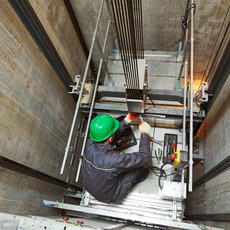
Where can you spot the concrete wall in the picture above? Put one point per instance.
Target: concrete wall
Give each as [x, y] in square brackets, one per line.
[213, 197]
[54, 18]
[162, 27]
[216, 129]
[86, 13]
[35, 108]
[23, 195]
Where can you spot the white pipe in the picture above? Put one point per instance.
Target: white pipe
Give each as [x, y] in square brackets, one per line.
[191, 103]
[92, 104]
[185, 97]
[185, 107]
[182, 183]
[81, 91]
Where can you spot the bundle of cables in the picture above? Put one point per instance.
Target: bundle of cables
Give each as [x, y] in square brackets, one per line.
[160, 172]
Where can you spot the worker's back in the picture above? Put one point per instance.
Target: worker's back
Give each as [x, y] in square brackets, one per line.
[99, 172]
[108, 175]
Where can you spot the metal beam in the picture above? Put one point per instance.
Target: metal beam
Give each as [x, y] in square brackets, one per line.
[123, 109]
[166, 95]
[31, 21]
[92, 102]
[153, 94]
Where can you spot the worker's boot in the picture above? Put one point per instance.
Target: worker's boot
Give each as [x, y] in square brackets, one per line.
[143, 176]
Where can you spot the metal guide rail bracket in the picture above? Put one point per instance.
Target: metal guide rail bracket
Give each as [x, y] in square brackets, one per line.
[75, 87]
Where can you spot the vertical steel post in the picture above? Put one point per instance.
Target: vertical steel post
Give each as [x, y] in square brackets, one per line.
[184, 112]
[92, 103]
[191, 103]
[185, 106]
[182, 183]
[185, 97]
[81, 91]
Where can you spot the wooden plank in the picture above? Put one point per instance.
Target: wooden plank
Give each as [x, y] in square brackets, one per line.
[24, 195]
[35, 109]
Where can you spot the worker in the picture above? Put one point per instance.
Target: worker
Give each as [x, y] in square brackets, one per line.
[109, 174]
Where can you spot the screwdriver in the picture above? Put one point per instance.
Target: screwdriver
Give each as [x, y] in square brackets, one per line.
[150, 138]
[141, 118]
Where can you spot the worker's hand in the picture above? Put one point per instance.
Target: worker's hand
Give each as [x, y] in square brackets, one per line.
[144, 127]
[131, 117]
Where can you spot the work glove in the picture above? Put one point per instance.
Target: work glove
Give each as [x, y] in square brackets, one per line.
[131, 117]
[144, 127]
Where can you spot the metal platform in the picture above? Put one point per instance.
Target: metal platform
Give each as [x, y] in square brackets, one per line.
[117, 215]
[145, 200]
[146, 203]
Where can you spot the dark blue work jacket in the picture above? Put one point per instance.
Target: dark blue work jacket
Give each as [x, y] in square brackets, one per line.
[107, 173]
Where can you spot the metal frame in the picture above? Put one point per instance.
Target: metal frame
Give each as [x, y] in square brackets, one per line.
[82, 89]
[191, 101]
[122, 216]
[156, 94]
[185, 97]
[92, 102]
[158, 112]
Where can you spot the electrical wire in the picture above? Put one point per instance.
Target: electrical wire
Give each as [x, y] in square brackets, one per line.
[160, 172]
[163, 174]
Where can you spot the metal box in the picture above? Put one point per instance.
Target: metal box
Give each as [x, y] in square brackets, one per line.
[173, 190]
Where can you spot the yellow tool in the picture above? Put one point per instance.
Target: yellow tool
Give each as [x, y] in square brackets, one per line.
[176, 160]
[179, 158]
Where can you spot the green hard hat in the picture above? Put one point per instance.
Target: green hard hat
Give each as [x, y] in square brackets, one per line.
[102, 127]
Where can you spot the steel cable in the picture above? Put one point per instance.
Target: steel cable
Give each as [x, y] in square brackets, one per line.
[129, 27]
